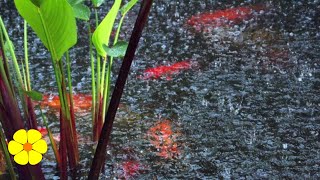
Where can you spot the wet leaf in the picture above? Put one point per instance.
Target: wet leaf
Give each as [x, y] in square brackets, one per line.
[118, 50]
[101, 35]
[124, 9]
[34, 95]
[80, 10]
[97, 3]
[54, 23]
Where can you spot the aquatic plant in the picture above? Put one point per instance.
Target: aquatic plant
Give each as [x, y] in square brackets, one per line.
[54, 22]
[10, 115]
[100, 39]
[99, 156]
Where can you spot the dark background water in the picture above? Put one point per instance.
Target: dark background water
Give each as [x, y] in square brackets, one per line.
[249, 110]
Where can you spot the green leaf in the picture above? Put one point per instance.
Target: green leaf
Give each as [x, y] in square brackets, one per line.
[74, 2]
[124, 9]
[102, 34]
[54, 23]
[34, 95]
[118, 50]
[97, 3]
[80, 10]
[37, 2]
[7, 48]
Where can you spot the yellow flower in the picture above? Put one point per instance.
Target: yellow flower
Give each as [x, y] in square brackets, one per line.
[27, 147]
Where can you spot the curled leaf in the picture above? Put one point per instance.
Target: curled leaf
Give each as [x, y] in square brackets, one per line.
[118, 50]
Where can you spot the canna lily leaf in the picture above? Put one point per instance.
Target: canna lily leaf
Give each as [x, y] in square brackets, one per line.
[80, 10]
[37, 2]
[118, 50]
[34, 95]
[102, 34]
[97, 3]
[53, 21]
[124, 9]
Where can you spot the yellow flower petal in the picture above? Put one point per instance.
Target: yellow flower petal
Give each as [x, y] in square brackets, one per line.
[40, 146]
[21, 158]
[34, 157]
[20, 136]
[14, 147]
[33, 136]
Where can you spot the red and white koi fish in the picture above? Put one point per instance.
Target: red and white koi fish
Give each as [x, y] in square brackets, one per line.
[166, 71]
[223, 18]
[163, 139]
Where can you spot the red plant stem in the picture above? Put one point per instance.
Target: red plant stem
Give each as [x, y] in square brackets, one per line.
[12, 121]
[99, 156]
[71, 140]
[62, 149]
[31, 122]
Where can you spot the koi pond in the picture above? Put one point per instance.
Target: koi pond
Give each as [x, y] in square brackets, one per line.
[217, 90]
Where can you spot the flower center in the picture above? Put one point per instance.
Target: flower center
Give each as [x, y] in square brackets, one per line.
[27, 147]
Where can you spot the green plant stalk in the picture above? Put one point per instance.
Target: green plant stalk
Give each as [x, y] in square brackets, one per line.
[106, 95]
[98, 92]
[99, 156]
[72, 144]
[53, 143]
[28, 86]
[14, 58]
[24, 75]
[71, 96]
[17, 70]
[4, 149]
[103, 73]
[93, 84]
[10, 116]
[5, 63]
[65, 111]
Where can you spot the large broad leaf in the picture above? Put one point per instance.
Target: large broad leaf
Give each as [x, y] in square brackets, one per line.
[124, 9]
[118, 50]
[102, 34]
[80, 10]
[53, 21]
[97, 3]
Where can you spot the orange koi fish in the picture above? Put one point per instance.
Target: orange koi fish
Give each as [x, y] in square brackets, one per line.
[42, 130]
[163, 139]
[131, 168]
[167, 71]
[81, 102]
[223, 18]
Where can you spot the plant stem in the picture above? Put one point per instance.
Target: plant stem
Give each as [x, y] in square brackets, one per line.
[28, 86]
[108, 78]
[4, 149]
[99, 156]
[53, 144]
[93, 84]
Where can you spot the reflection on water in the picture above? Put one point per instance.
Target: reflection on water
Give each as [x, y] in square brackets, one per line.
[250, 109]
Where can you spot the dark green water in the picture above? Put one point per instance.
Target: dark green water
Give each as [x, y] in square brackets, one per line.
[249, 110]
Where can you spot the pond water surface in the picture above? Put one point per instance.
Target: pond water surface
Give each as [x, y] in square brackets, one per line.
[248, 108]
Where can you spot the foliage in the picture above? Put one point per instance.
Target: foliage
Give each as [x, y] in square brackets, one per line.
[101, 35]
[118, 50]
[54, 23]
